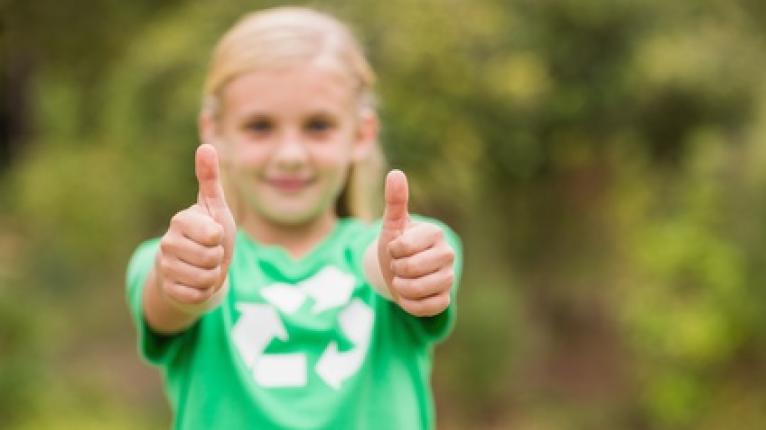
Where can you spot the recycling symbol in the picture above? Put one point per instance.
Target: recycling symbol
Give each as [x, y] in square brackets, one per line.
[260, 323]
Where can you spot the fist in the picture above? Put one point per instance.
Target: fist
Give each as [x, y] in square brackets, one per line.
[196, 250]
[415, 259]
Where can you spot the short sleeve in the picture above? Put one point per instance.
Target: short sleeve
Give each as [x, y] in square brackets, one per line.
[155, 348]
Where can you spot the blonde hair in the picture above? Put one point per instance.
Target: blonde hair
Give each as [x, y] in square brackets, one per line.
[285, 36]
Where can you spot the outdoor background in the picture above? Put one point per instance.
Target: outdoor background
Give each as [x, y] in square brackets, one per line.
[604, 162]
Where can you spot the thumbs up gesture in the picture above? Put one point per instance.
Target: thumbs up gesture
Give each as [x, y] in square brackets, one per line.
[197, 248]
[415, 259]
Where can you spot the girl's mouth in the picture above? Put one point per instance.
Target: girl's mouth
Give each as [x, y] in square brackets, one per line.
[289, 184]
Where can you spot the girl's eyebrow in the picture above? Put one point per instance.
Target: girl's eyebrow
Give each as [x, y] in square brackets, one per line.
[321, 114]
[256, 114]
[325, 112]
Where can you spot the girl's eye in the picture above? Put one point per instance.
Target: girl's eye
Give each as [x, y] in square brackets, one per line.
[260, 126]
[318, 125]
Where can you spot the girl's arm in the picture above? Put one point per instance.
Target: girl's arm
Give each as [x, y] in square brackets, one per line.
[411, 263]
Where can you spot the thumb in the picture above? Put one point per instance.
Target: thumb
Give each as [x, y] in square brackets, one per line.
[210, 194]
[396, 215]
[211, 198]
[395, 220]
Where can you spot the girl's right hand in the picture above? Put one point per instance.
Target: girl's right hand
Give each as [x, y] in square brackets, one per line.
[196, 251]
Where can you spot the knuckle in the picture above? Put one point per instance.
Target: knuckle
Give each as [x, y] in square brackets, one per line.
[174, 220]
[400, 284]
[405, 244]
[394, 248]
[165, 266]
[166, 244]
[412, 288]
[449, 254]
[186, 295]
[444, 302]
[214, 256]
[437, 306]
[178, 292]
[210, 277]
[216, 231]
[402, 267]
[217, 272]
[424, 309]
[418, 289]
[414, 308]
[212, 232]
[394, 266]
[196, 297]
[428, 307]
[177, 220]
[169, 242]
[206, 258]
[449, 277]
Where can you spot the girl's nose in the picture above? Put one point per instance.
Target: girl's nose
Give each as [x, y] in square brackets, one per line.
[291, 151]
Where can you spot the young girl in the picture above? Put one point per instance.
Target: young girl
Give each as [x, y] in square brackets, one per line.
[277, 306]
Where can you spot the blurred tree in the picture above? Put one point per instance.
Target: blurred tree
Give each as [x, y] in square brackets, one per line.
[603, 161]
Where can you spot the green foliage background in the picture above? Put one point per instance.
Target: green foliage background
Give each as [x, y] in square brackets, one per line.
[604, 162]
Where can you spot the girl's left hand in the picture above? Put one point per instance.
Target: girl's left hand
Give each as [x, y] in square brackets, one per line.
[415, 259]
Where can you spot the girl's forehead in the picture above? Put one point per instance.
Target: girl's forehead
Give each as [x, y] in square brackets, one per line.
[298, 87]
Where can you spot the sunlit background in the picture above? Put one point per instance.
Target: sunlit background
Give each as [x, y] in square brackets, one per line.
[604, 162]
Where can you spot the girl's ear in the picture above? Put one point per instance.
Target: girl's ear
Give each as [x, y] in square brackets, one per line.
[366, 134]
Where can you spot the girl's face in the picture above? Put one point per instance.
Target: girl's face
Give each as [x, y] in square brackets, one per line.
[288, 138]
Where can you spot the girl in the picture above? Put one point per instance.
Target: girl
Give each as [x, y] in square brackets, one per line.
[278, 306]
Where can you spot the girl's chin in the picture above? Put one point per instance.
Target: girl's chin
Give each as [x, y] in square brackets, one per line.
[293, 219]
[291, 215]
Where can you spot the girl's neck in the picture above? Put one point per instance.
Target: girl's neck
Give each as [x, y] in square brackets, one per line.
[297, 240]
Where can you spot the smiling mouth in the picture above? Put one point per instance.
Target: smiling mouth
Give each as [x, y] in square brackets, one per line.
[289, 185]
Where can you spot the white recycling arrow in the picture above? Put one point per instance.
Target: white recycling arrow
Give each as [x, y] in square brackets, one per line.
[334, 366]
[286, 297]
[280, 370]
[255, 328]
[260, 323]
[329, 288]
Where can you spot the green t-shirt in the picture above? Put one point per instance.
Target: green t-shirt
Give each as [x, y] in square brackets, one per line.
[297, 344]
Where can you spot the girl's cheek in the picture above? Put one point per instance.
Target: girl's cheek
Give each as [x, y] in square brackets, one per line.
[254, 149]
